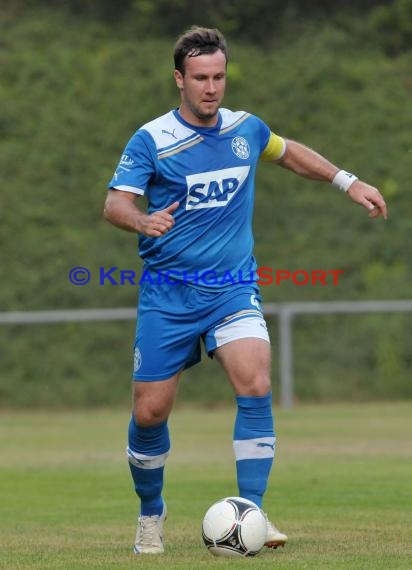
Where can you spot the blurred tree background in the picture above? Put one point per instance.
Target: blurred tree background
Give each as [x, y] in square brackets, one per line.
[80, 76]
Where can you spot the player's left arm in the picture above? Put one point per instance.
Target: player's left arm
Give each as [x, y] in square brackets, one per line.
[306, 162]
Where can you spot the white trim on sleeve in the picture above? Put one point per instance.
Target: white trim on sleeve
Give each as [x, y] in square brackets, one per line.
[131, 189]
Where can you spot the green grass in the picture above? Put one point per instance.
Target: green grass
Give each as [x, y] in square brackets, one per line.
[341, 489]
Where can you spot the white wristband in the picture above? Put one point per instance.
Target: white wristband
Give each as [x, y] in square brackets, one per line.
[343, 180]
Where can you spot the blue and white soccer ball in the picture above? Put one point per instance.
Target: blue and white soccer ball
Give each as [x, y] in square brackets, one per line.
[234, 527]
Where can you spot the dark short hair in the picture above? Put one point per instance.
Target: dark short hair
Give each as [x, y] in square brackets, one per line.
[197, 41]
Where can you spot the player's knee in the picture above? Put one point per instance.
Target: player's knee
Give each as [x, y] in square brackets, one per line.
[258, 385]
[262, 388]
[145, 415]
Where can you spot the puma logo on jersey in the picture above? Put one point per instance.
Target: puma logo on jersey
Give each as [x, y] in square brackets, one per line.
[214, 189]
[165, 132]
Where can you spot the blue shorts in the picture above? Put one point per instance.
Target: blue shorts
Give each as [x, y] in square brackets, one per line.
[173, 319]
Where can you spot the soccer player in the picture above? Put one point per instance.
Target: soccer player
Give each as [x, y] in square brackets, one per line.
[196, 166]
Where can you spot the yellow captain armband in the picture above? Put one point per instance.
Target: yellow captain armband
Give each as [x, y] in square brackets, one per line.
[275, 148]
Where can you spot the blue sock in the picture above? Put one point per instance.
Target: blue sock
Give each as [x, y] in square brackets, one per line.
[147, 452]
[254, 445]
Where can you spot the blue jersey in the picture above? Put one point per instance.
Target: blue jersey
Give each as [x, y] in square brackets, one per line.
[210, 171]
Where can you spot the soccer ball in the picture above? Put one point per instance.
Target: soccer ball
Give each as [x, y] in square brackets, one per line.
[234, 527]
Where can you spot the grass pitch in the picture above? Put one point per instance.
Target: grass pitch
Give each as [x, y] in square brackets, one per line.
[341, 488]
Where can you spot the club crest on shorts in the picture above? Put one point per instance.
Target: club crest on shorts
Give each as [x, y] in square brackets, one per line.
[240, 147]
[137, 360]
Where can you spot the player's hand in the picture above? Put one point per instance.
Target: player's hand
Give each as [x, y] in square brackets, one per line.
[369, 197]
[158, 223]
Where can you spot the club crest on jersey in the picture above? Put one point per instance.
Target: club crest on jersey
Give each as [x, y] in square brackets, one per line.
[240, 147]
[214, 189]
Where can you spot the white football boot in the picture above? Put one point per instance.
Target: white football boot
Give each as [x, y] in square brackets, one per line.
[149, 535]
[274, 537]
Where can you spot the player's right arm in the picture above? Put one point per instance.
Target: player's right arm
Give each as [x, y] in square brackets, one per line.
[131, 179]
[120, 209]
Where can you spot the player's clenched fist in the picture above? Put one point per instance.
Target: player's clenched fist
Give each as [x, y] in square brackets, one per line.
[158, 223]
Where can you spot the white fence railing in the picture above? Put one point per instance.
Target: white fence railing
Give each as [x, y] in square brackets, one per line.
[284, 311]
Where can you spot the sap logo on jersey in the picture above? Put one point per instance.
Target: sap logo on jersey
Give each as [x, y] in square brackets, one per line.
[214, 189]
